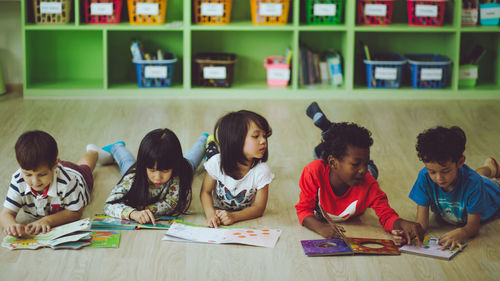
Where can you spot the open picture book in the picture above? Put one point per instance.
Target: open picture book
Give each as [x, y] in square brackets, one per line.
[430, 248]
[185, 232]
[349, 246]
[101, 221]
[73, 235]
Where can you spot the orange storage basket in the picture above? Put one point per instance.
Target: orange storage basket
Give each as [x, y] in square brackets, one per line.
[224, 17]
[138, 17]
[259, 17]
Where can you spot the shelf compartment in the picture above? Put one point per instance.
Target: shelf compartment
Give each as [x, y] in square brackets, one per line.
[121, 69]
[489, 64]
[251, 48]
[401, 43]
[71, 59]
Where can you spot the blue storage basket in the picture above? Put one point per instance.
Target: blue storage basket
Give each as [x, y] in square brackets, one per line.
[160, 75]
[482, 12]
[425, 70]
[385, 71]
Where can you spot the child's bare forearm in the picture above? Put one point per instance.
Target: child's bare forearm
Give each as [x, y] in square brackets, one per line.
[248, 213]
[207, 204]
[7, 218]
[63, 217]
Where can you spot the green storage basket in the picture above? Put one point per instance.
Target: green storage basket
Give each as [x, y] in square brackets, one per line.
[324, 12]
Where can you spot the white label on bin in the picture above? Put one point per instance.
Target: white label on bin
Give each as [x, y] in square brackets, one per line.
[386, 73]
[278, 74]
[155, 71]
[489, 13]
[270, 9]
[325, 10]
[375, 10]
[469, 16]
[101, 9]
[51, 7]
[147, 9]
[212, 9]
[431, 74]
[469, 73]
[426, 11]
[214, 72]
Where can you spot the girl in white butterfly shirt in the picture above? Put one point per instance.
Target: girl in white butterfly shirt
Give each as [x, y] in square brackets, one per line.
[235, 187]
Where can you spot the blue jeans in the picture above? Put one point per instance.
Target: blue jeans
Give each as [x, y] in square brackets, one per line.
[125, 159]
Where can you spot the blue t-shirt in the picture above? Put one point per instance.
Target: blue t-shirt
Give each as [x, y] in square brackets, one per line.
[472, 194]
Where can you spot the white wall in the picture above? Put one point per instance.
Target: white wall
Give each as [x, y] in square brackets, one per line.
[11, 50]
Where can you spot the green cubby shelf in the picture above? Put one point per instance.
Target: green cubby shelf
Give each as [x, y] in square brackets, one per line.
[78, 59]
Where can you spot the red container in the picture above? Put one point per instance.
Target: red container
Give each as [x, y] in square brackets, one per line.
[103, 11]
[374, 12]
[426, 13]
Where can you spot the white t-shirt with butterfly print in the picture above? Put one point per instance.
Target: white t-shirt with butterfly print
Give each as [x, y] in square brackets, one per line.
[234, 195]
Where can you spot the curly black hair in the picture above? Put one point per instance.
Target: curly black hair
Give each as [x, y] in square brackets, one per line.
[340, 135]
[441, 144]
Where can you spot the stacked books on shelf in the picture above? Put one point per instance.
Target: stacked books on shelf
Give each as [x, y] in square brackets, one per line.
[316, 68]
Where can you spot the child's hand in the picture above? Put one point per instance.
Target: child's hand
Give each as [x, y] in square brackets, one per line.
[452, 239]
[225, 217]
[409, 230]
[213, 221]
[142, 217]
[16, 230]
[399, 237]
[328, 232]
[36, 227]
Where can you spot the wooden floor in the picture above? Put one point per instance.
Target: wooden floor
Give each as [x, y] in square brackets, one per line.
[143, 256]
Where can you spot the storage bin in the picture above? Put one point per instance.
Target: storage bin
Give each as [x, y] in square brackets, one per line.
[154, 73]
[278, 71]
[103, 11]
[374, 12]
[212, 11]
[470, 15]
[428, 71]
[426, 13]
[270, 11]
[467, 77]
[214, 69]
[325, 12]
[147, 11]
[52, 11]
[489, 13]
[385, 71]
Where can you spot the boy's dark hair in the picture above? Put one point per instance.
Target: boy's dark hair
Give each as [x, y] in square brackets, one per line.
[340, 135]
[35, 149]
[230, 132]
[160, 147]
[441, 144]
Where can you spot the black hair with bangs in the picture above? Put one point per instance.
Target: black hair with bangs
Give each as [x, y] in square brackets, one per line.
[230, 132]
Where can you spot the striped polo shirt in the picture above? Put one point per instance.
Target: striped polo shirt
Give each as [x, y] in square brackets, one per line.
[67, 191]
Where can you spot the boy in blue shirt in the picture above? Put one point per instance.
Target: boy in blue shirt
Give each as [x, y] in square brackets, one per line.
[50, 191]
[452, 190]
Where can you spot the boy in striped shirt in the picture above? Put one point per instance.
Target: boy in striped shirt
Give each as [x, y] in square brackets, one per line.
[51, 191]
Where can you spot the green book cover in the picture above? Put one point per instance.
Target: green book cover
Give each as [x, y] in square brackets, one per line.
[105, 239]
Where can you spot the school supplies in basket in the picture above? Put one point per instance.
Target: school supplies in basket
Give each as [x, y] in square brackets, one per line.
[101, 221]
[73, 235]
[184, 232]
[430, 248]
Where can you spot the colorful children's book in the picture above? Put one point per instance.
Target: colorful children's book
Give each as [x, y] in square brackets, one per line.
[106, 222]
[430, 248]
[73, 235]
[349, 246]
[222, 235]
[105, 239]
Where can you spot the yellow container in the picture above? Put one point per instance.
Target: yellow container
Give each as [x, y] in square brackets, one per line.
[269, 11]
[212, 11]
[147, 11]
[52, 11]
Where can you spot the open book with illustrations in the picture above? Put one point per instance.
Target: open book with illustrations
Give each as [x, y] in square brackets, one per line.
[105, 239]
[73, 235]
[101, 221]
[222, 235]
[430, 248]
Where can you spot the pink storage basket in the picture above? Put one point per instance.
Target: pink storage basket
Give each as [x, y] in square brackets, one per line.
[278, 71]
[426, 12]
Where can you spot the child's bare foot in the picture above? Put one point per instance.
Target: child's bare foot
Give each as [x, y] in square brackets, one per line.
[492, 164]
